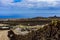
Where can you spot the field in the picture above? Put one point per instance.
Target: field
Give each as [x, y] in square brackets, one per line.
[31, 29]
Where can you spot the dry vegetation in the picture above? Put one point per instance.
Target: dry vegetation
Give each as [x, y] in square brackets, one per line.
[48, 32]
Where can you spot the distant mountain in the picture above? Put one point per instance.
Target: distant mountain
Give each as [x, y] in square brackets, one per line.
[39, 18]
[53, 17]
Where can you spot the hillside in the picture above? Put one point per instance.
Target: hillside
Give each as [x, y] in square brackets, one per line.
[48, 32]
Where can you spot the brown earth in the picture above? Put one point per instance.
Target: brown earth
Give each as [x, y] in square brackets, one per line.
[3, 35]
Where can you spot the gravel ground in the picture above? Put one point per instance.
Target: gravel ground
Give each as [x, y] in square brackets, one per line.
[3, 35]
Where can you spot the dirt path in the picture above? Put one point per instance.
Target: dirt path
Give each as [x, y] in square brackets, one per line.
[3, 35]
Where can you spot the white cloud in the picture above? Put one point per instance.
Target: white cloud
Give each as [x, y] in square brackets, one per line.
[31, 3]
[6, 1]
[40, 0]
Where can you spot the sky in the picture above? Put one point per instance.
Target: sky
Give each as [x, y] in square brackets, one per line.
[29, 8]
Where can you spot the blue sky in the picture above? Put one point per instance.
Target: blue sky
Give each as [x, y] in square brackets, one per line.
[29, 8]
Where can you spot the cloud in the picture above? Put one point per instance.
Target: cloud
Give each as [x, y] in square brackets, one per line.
[6, 1]
[31, 3]
[44, 3]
